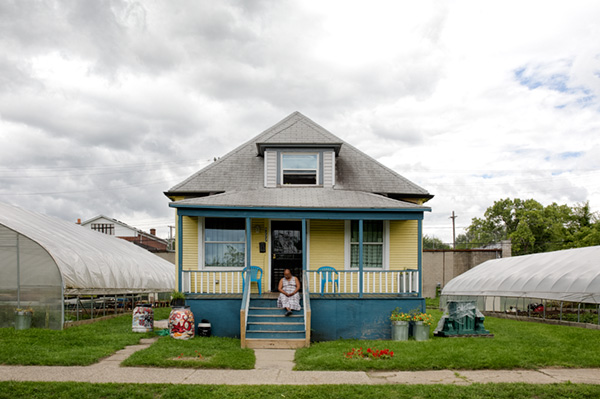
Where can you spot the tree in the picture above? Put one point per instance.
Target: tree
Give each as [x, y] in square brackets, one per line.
[533, 228]
[434, 243]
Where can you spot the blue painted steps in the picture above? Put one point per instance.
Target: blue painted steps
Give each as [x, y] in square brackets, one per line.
[268, 322]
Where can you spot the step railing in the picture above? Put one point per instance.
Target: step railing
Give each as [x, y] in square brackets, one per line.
[395, 282]
[245, 307]
[307, 310]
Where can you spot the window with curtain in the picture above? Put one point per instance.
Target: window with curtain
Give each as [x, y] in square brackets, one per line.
[372, 244]
[224, 242]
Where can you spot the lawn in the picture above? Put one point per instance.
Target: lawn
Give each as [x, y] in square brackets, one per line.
[216, 352]
[80, 345]
[516, 344]
[167, 391]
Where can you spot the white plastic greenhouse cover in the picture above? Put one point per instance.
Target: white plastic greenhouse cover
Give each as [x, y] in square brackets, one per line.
[91, 262]
[572, 275]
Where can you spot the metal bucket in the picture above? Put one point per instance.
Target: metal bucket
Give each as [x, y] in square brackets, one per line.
[22, 320]
[399, 330]
[143, 319]
[181, 323]
[421, 331]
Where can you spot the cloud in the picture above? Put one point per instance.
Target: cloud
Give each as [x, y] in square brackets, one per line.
[104, 105]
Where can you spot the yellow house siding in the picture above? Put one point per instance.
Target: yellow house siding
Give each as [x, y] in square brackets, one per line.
[190, 243]
[404, 244]
[259, 226]
[326, 247]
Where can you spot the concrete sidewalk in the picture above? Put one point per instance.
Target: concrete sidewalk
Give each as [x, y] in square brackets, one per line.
[275, 366]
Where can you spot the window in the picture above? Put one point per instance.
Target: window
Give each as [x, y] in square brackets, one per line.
[299, 168]
[224, 242]
[372, 244]
[106, 228]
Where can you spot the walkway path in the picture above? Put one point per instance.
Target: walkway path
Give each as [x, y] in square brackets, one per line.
[275, 366]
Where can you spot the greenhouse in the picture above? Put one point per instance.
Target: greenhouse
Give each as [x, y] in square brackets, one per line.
[44, 261]
[562, 285]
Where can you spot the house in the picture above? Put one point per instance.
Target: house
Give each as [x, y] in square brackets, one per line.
[298, 197]
[114, 227]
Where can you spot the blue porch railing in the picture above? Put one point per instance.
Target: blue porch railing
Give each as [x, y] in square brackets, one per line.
[398, 282]
[394, 282]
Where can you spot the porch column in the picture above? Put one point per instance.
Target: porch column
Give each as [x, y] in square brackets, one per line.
[304, 260]
[248, 242]
[420, 258]
[179, 250]
[360, 258]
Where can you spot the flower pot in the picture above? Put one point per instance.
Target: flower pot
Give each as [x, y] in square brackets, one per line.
[23, 320]
[399, 330]
[420, 331]
[181, 323]
[143, 319]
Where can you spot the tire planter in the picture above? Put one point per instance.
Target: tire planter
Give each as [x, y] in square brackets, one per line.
[399, 330]
[143, 319]
[181, 323]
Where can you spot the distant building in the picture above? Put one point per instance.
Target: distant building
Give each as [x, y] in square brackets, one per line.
[113, 227]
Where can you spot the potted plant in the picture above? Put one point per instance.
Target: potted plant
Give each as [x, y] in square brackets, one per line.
[422, 325]
[400, 322]
[177, 299]
[23, 318]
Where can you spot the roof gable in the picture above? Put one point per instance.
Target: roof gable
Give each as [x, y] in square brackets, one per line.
[242, 168]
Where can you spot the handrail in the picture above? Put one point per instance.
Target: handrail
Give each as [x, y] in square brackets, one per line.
[307, 310]
[245, 307]
[379, 282]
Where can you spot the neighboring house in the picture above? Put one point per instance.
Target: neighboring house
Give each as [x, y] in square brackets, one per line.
[298, 197]
[114, 227]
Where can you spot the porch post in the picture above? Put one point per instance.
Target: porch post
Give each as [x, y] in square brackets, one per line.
[360, 258]
[420, 258]
[179, 250]
[304, 260]
[248, 242]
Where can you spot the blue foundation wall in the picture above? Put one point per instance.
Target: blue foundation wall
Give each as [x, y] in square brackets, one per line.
[332, 318]
[362, 318]
[223, 314]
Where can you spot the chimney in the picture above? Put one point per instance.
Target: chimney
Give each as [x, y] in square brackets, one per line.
[153, 232]
[78, 221]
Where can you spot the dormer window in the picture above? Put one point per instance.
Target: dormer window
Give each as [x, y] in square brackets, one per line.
[299, 168]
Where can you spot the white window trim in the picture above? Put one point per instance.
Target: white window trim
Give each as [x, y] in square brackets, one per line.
[201, 252]
[348, 248]
[317, 169]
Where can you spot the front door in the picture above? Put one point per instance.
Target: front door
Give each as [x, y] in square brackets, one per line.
[286, 250]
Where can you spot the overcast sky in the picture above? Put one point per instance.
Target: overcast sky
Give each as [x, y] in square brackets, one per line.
[104, 105]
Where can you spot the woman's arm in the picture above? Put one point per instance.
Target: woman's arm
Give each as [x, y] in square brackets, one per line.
[280, 288]
[297, 286]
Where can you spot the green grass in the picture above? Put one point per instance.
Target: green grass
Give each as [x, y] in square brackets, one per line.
[218, 353]
[168, 391]
[516, 344]
[81, 345]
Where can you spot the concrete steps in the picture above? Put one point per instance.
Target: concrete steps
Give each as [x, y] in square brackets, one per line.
[269, 327]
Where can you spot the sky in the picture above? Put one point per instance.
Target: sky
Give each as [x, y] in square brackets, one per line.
[104, 105]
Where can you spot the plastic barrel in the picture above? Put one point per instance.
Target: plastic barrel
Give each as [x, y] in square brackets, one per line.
[181, 323]
[143, 319]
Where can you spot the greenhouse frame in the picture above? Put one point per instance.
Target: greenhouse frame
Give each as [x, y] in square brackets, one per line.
[563, 285]
[46, 260]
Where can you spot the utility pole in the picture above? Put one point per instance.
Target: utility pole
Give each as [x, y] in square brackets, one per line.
[453, 217]
[171, 231]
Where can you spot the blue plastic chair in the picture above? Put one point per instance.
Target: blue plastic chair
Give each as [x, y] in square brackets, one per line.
[255, 277]
[329, 275]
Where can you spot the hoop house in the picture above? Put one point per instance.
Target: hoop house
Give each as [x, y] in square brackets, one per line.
[43, 258]
[569, 276]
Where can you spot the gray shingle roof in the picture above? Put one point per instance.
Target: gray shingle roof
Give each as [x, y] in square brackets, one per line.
[305, 197]
[241, 170]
